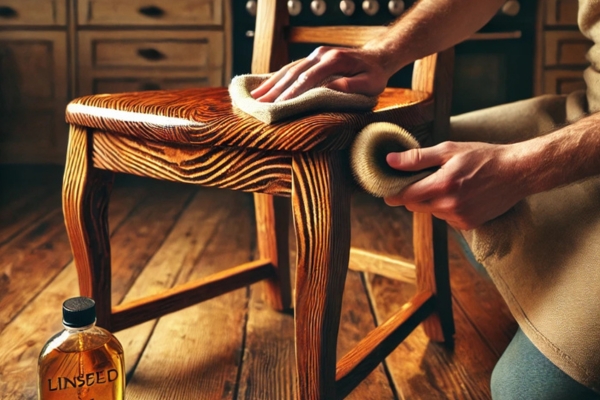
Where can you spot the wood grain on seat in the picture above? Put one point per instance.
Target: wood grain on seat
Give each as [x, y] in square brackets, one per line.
[205, 116]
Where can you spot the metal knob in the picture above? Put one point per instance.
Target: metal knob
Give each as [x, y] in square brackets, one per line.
[511, 8]
[251, 7]
[396, 7]
[347, 7]
[318, 7]
[294, 7]
[370, 7]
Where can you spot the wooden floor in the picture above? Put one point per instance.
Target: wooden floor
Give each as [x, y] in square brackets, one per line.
[234, 346]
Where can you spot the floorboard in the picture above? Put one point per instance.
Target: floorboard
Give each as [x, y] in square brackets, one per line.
[233, 346]
[173, 262]
[483, 325]
[195, 353]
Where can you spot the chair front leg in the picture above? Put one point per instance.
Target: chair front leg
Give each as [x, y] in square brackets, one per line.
[85, 195]
[321, 192]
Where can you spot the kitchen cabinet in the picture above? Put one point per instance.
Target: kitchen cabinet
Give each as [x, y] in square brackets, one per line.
[54, 50]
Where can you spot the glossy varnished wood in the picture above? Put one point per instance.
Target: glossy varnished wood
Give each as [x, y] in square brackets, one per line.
[431, 261]
[270, 50]
[321, 192]
[247, 170]
[272, 215]
[205, 116]
[272, 221]
[357, 364]
[381, 264]
[351, 36]
[184, 295]
[430, 234]
[86, 191]
[354, 36]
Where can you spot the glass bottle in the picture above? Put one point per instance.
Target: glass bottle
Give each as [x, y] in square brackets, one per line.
[82, 362]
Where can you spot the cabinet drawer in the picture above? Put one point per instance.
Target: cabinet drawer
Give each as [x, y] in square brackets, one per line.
[561, 12]
[118, 84]
[563, 82]
[32, 12]
[151, 50]
[118, 80]
[565, 48]
[150, 12]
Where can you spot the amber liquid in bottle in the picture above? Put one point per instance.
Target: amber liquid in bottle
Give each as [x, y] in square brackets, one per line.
[81, 363]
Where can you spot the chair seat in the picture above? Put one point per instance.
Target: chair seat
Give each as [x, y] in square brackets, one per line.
[206, 117]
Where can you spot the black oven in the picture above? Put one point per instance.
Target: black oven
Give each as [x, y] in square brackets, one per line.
[495, 67]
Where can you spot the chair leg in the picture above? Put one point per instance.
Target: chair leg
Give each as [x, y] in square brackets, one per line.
[321, 194]
[430, 235]
[430, 239]
[85, 195]
[272, 220]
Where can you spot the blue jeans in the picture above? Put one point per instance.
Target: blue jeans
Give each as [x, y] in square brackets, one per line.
[523, 372]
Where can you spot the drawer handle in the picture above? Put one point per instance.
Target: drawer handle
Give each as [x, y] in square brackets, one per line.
[7, 12]
[150, 86]
[151, 54]
[152, 11]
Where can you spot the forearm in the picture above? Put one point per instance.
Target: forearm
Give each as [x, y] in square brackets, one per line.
[559, 158]
[431, 26]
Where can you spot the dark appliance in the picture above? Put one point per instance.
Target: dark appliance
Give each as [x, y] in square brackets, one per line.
[494, 67]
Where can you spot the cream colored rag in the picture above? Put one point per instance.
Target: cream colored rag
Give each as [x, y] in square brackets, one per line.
[368, 159]
[314, 100]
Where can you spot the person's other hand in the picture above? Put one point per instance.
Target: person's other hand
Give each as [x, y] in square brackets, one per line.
[475, 183]
[356, 70]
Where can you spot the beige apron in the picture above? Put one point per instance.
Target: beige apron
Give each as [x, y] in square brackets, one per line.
[545, 259]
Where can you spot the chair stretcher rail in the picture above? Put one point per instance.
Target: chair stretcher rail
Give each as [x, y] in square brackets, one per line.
[358, 363]
[185, 295]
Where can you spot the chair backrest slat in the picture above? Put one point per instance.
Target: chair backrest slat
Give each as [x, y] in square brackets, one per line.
[273, 34]
[352, 36]
[270, 46]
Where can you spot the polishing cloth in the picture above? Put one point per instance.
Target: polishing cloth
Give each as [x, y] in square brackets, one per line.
[318, 99]
[368, 159]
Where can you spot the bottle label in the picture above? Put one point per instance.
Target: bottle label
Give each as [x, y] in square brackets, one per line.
[85, 380]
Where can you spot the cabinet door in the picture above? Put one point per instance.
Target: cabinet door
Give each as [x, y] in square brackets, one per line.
[33, 96]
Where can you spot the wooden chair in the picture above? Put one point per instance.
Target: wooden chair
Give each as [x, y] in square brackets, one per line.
[195, 136]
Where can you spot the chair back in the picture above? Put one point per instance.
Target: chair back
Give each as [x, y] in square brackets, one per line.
[273, 34]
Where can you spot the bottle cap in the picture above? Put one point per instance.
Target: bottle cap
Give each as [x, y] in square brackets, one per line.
[79, 312]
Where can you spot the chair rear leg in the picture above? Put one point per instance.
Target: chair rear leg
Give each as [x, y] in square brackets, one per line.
[85, 195]
[430, 239]
[272, 226]
[321, 208]
[430, 236]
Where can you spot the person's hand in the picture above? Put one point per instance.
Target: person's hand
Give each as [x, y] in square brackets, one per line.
[354, 70]
[475, 183]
